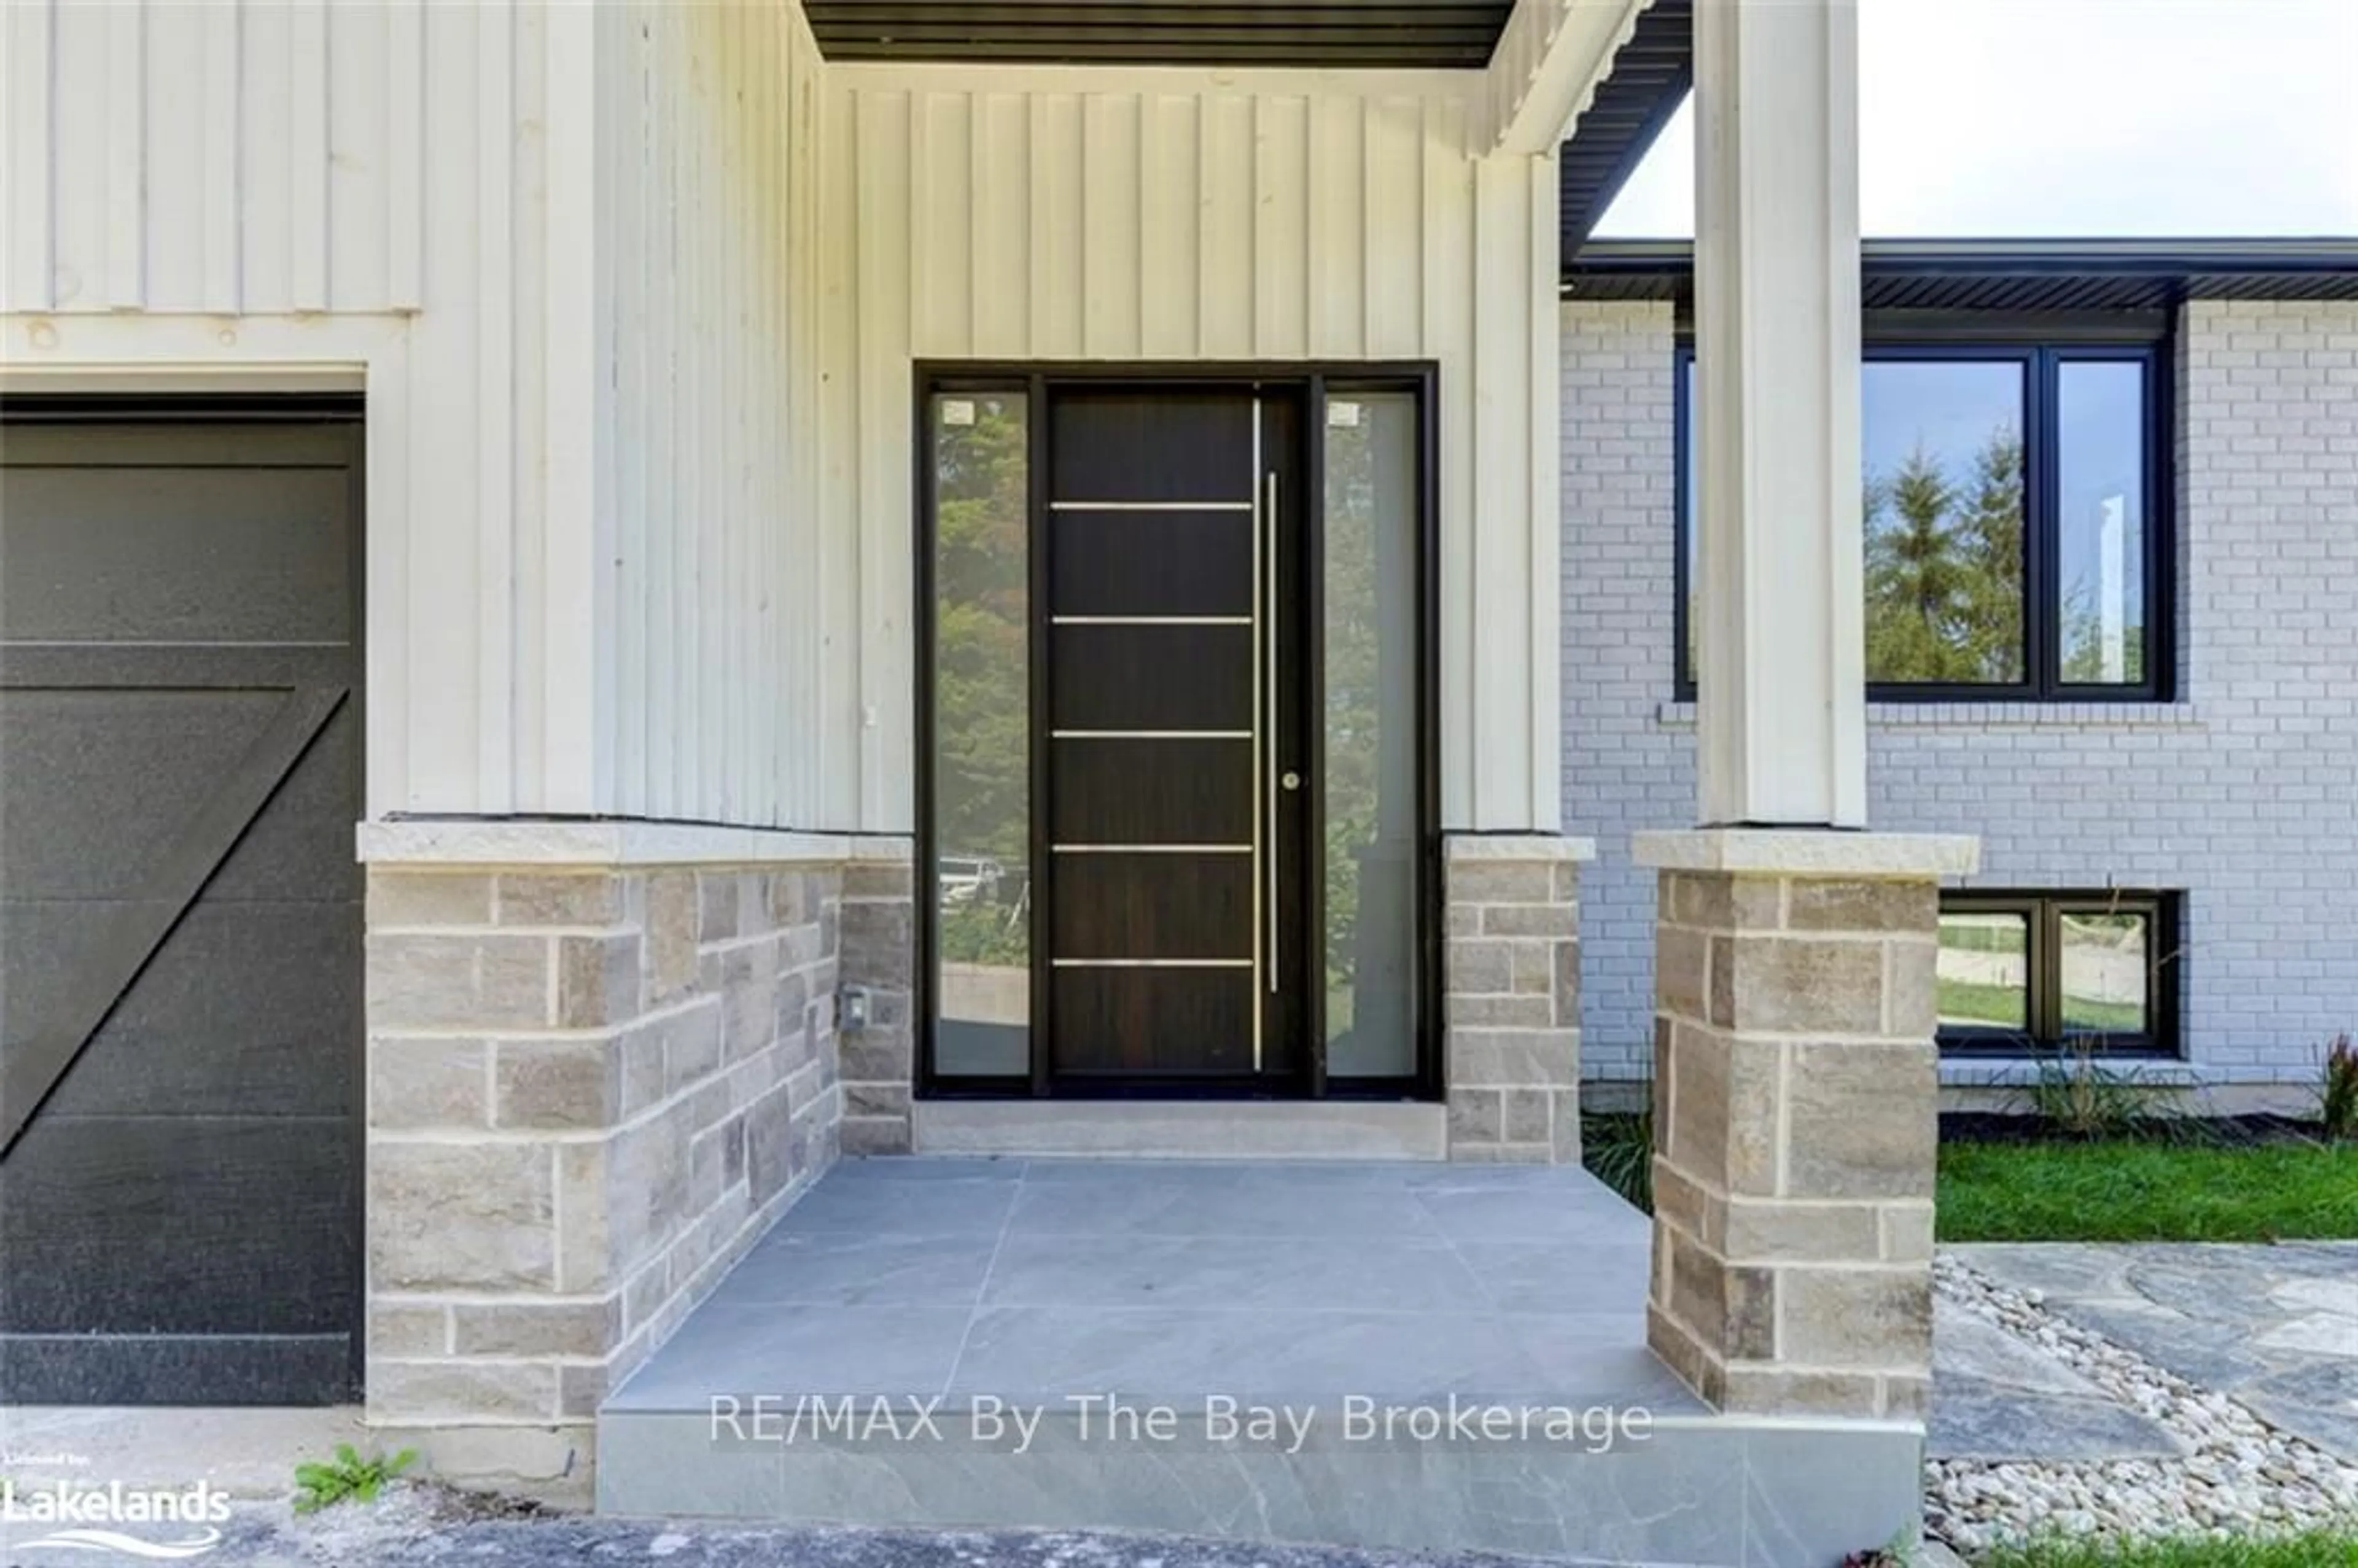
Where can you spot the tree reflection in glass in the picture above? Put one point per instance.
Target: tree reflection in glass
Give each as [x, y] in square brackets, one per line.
[1369, 715]
[981, 735]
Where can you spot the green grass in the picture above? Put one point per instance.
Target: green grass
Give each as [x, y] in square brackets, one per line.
[2329, 1550]
[1996, 937]
[2000, 1007]
[1969, 1001]
[2148, 1192]
[2102, 1017]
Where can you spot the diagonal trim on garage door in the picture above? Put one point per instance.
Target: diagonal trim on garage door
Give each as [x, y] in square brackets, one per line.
[143, 922]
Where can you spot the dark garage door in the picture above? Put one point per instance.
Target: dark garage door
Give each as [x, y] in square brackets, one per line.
[179, 910]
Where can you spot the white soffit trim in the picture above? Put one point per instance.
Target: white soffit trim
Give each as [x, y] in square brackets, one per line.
[1544, 73]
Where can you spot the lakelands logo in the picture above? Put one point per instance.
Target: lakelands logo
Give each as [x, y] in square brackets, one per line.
[85, 1517]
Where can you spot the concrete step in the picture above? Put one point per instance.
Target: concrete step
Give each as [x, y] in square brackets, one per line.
[1185, 1130]
[1699, 1492]
[1428, 1357]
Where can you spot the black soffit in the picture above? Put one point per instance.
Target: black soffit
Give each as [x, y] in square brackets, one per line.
[1648, 81]
[1332, 34]
[2039, 276]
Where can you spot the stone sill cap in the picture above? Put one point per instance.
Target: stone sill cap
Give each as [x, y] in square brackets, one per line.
[519, 841]
[1811, 852]
[1465, 846]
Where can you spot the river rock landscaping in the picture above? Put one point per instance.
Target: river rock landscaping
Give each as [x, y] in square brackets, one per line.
[2187, 1460]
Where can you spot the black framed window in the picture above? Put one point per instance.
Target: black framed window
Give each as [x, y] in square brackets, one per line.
[2027, 972]
[2017, 541]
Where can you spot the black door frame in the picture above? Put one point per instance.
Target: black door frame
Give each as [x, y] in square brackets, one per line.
[1313, 381]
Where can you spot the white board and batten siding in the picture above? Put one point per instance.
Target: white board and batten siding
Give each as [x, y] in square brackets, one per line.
[731, 680]
[634, 293]
[295, 194]
[1063, 214]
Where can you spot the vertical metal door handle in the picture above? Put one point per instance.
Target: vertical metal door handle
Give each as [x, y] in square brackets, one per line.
[1270, 697]
[1260, 916]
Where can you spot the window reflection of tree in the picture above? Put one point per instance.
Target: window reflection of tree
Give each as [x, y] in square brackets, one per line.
[1369, 715]
[981, 724]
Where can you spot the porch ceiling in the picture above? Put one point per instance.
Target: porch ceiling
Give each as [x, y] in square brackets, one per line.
[1437, 34]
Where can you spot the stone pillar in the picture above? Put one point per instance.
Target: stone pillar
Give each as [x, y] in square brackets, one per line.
[1511, 1001]
[1795, 1093]
[879, 958]
[602, 1059]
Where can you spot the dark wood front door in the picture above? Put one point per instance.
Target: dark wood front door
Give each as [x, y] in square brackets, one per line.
[1168, 717]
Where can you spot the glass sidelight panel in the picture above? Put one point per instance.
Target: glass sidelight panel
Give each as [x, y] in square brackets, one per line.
[982, 762]
[1370, 711]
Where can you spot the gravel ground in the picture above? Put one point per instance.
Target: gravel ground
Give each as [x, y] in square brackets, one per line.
[422, 1527]
[2240, 1479]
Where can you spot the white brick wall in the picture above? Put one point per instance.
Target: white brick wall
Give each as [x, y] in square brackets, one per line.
[2244, 793]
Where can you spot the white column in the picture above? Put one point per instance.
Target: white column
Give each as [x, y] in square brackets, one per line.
[1781, 699]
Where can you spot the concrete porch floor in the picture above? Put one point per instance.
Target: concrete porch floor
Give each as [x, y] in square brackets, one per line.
[1321, 1292]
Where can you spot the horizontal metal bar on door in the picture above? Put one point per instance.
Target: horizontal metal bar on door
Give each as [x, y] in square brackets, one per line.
[1151, 963]
[1151, 849]
[1150, 619]
[1150, 734]
[1149, 506]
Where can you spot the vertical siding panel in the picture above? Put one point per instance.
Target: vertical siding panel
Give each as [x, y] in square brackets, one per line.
[359, 52]
[404, 153]
[703, 565]
[126, 154]
[80, 36]
[1394, 246]
[743, 205]
[442, 524]
[1448, 328]
[1335, 266]
[220, 288]
[804, 728]
[548, 668]
[1002, 228]
[921, 199]
[390, 525]
[629, 232]
[1281, 227]
[305, 151]
[266, 41]
[778, 444]
[883, 446]
[735, 212]
[1058, 237]
[1170, 272]
[1542, 516]
[1110, 202]
[846, 167]
[1501, 654]
[32, 157]
[659, 360]
[947, 203]
[495, 392]
[1225, 196]
[174, 155]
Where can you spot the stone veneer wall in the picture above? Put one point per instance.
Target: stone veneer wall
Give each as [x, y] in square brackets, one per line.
[1511, 995]
[590, 1089]
[1794, 1121]
[880, 1060]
